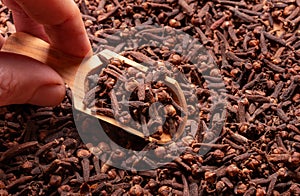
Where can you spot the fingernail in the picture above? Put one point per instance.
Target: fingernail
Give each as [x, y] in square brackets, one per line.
[48, 95]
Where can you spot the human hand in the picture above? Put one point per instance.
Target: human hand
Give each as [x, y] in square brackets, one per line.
[24, 80]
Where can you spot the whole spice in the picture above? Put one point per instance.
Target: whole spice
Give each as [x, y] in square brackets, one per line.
[246, 59]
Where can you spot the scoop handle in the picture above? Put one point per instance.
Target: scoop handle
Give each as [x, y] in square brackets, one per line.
[36, 48]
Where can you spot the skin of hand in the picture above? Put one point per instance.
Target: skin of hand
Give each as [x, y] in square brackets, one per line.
[25, 80]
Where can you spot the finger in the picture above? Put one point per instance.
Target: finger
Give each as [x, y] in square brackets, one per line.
[24, 80]
[63, 24]
[24, 23]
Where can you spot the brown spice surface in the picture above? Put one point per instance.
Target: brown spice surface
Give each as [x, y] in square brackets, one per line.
[255, 45]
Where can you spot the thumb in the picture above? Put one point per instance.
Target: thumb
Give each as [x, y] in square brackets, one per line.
[24, 80]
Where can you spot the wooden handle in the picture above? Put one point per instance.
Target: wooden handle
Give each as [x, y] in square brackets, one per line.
[33, 47]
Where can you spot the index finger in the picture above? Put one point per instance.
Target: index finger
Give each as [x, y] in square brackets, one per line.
[62, 22]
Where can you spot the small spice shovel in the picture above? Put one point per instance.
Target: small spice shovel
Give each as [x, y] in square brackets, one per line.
[74, 71]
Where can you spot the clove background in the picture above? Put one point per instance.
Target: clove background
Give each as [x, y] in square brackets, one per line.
[255, 46]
